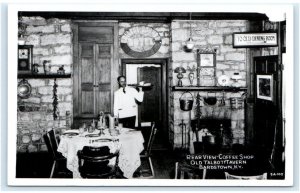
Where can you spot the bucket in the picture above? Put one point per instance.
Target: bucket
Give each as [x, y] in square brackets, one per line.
[186, 104]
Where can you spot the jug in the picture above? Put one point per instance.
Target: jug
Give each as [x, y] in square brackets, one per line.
[112, 122]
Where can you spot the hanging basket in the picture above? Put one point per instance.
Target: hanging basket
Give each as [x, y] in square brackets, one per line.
[186, 103]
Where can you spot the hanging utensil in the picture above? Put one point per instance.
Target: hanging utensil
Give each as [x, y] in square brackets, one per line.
[222, 101]
[182, 124]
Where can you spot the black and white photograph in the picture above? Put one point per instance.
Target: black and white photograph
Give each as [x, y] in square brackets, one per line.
[107, 96]
[265, 87]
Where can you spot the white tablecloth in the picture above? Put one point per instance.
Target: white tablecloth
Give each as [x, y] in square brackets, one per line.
[130, 146]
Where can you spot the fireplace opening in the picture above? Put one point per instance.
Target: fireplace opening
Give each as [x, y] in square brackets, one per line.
[211, 135]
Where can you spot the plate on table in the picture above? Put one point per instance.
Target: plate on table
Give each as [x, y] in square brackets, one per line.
[92, 135]
[71, 133]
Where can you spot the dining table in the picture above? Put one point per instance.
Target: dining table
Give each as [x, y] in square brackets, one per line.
[129, 143]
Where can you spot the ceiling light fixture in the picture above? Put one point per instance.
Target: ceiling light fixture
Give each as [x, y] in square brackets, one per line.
[189, 43]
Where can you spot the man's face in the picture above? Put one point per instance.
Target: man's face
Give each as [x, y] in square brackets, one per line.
[122, 82]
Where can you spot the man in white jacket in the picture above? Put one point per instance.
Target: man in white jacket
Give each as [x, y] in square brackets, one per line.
[125, 105]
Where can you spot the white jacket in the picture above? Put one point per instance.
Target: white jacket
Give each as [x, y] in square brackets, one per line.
[125, 104]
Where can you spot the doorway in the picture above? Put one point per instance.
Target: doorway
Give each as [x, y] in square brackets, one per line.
[268, 133]
[154, 106]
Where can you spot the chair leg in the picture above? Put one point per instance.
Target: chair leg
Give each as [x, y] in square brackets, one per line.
[151, 167]
[176, 170]
[204, 174]
[52, 170]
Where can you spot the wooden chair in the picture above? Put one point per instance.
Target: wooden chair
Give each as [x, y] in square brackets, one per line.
[148, 172]
[59, 161]
[186, 171]
[235, 177]
[94, 162]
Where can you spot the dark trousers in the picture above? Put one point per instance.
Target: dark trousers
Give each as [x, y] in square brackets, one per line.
[128, 122]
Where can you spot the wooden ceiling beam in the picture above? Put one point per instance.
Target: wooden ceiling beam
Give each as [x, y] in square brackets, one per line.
[148, 16]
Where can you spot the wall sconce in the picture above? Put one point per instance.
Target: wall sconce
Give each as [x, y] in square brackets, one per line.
[179, 70]
[189, 44]
[236, 77]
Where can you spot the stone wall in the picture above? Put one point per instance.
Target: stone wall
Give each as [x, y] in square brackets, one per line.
[208, 34]
[51, 40]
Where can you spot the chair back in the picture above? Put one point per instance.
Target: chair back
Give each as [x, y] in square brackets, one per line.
[235, 177]
[185, 171]
[51, 143]
[151, 139]
[94, 162]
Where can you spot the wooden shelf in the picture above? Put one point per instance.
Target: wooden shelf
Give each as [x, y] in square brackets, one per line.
[43, 76]
[208, 88]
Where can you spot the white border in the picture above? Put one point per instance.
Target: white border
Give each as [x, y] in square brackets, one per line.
[150, 7]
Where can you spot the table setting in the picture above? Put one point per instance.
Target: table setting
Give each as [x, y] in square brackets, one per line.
[116, 139]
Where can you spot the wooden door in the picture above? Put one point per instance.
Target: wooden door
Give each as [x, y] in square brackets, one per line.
[95, 70]
[95, 78]
[267, 113]
[151, 108]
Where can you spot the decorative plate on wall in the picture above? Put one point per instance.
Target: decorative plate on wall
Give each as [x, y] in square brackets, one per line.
[223, 80]
[140, 41]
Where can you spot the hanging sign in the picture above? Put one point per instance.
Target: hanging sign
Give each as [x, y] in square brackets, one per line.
[245, 40]
[140, 41]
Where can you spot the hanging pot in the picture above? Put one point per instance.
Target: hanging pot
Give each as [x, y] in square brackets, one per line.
[24, 89]
[210, 100]
[186, 104]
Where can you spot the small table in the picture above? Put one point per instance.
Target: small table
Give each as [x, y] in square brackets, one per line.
[130, 146]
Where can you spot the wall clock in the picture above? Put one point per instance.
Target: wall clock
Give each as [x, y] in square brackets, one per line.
[24, 59]
[140, 41]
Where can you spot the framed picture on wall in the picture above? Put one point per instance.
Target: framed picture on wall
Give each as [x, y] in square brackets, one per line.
[207, 59]
[264, 87]
[206, 65]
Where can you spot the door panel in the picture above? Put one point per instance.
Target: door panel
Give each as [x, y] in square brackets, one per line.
[265, 111]
[96, 34]
[86, 81]
[150, 109]
[95, 78]
[103, 78]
